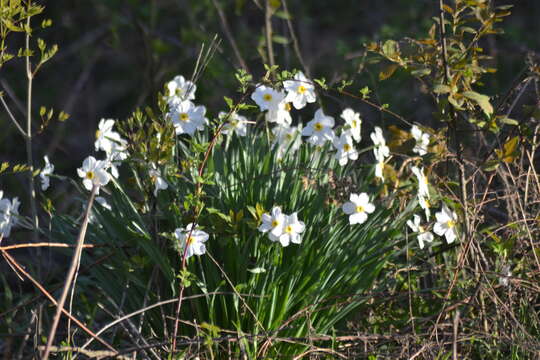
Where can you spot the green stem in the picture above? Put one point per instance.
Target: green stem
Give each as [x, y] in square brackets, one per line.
[29, 156]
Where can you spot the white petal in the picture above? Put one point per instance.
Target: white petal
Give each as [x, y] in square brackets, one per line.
[296, 238]
[369, 208]
[412, 226]
[451, 235]
[284, 240]
[299, 227]
[427, 236]
[358, 218]
[440, 228]
[355, 199]
[87, 184]
[363, 199]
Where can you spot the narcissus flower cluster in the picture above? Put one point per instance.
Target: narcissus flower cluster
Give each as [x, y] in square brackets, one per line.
[185, 116]
[281, 227]
[380, 150]
[297, 93]
[278, 105]
[193, 238]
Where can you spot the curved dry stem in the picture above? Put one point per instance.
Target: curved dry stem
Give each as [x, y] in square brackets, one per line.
[71, 274]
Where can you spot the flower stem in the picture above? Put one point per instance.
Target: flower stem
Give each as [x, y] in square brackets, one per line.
[28, 138]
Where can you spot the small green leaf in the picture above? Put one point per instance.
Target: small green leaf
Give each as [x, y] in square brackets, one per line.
[283, 15]
[41, 44]
[388, 71]
[510, 150]
[452, 100]
[442, 89]
[275, 4]
[481, 100]
[421, 72]
[491, 165]
[63, 116]
[229, 102]
[508, 121]
[46, 23]
[280, 39]
[11, 26]
[365, 92]
[390, 49]
[322, 83]
[4, 166]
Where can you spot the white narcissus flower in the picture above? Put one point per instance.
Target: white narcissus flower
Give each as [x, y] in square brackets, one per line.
[112, 143]
[180, 89]
[158, 181]
[379, 166]
[292, 229]
[94, 173]
[266, 97]
[9, 211]
[446, 224]
[300, 91]
[187, 117]
[422, 140]
[287, 139]
[423, 187]
[235, 123]
[193, 238]
[104, 135]
[118, 150]
[117, 154]
[273, 223]
[319, 129]
[45, 173]
[280, 114]
[424, 204]
[423, 234]
[358, 208]
[379, 142]
[345, 149]
[352, 119]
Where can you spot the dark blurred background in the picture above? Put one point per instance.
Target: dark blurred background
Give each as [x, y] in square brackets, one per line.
[115, 55]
